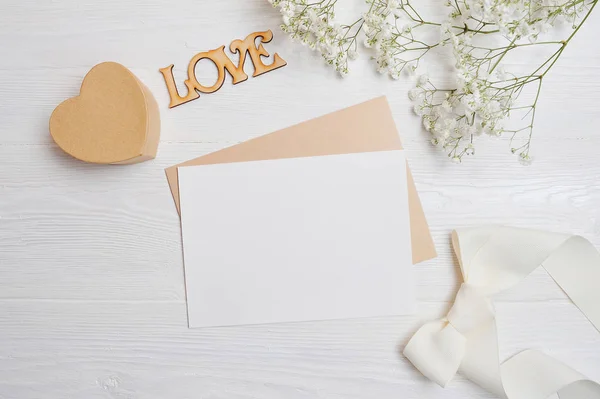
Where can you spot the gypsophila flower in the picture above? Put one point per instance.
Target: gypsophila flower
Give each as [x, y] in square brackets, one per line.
[314, 26]
[418, 109]
[413, 94]
[477, 33]
[525, 159]
[422, 80]
[485, 93]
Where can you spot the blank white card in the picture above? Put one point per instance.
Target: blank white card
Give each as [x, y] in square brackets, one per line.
[296, 239]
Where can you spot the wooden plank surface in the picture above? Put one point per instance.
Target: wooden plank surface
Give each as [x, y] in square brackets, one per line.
[92, 301]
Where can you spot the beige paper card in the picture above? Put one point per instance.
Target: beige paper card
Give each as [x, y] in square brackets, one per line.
[365, 127]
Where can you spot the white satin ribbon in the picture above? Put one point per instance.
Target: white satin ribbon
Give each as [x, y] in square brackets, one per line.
[493, 259]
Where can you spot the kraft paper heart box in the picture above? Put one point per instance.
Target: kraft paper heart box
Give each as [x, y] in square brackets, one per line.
[114, 119]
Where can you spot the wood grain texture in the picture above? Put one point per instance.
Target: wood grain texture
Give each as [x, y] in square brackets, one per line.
[92, 301]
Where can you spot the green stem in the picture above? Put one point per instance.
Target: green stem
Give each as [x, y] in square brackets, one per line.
[502, 56]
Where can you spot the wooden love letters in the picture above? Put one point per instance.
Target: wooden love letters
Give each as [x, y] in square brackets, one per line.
[224, 63]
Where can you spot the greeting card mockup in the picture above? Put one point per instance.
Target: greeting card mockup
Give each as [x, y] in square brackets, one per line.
[297, 239]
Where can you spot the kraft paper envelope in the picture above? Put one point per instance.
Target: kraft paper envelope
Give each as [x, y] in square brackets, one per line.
[366, 127]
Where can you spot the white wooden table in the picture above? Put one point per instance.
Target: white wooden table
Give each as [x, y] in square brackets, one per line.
[92, 301]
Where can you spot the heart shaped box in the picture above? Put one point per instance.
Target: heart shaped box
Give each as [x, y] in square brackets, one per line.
[114, 120]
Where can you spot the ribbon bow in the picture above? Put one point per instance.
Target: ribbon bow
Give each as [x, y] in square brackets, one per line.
[493, 259]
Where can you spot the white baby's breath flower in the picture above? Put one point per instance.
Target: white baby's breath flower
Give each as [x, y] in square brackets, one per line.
[422, 80]
[406, 29]
[445, 31]
[501, 72]
[428, 123]
[392, 6]
[411, 68]
[413, 94]
[525, 159]
[446, 106]
[484, 94]
[418, 109]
